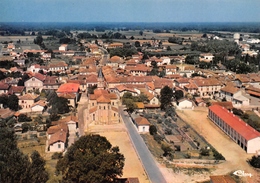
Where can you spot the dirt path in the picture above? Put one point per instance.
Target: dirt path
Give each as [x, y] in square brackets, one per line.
[235, 156]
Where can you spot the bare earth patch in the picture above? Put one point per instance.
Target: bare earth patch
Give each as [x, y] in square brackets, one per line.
[118, 136]
[235, 156]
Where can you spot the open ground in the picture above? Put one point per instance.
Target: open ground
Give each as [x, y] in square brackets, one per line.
[236, 157]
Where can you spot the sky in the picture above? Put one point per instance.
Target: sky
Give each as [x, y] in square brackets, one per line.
[130, 11]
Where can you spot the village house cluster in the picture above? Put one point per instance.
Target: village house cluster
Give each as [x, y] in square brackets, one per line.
[112, 78]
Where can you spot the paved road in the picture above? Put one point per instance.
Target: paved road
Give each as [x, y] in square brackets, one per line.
[82, 105]
[144, 154]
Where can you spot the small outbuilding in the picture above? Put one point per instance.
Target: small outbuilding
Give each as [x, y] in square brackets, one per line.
[142, 124]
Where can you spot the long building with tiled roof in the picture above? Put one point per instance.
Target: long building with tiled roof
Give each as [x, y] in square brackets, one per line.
[239, 131]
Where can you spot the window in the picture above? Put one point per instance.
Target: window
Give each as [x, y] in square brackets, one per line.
[104, 107]
[92, 103]
[93, 117]
[59, 146]
[114, 114]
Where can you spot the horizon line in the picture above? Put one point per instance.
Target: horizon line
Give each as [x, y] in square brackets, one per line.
[125, 22]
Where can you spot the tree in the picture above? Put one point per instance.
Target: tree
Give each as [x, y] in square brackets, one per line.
[12, 102]
[93, 158]
[137, 44]
[166, 97]
[14, 165]
[4, 100]
[204, 152]
[178, 94]
[60, 105]
[37, 171]
[38, 40]
[255, 161]
[153, 130]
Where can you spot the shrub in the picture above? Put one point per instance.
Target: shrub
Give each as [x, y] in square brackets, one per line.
[168, 131]
[204, 152]
[157, 138]
[153, 130]
[217, 155]
[255, 161]
[166, 149]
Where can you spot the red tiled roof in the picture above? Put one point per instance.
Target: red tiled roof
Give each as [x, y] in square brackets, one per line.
[39, 76]
[92, 110]
[235, 122]
[68, 88]
[28, 96]
[54, 129]
[103, 99]
[16, 89]
[58, 136]
[4, 86]
[142, 121]
[222, 179]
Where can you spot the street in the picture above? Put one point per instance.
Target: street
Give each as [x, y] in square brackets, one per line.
[82, 105]
[143, 152]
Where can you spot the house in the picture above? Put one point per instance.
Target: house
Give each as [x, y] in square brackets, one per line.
[253, 91]
[120, 90]
[233, 94]
[221, 179]
[35, 82]
[26, 101]
[191, 88]
[185, 104]
[115, 45]
[69, 88]
[102, 108]
[206, 57]
[170, 69]
[57, 138]
[181, 82]
[139, 106]
[6, 113]
[4, 88]
[115, 61]
[20, 62]
[71, 122]
[60, 66]
[138, 70]
[34, 68]
[142, 124]
[63, 47]
[200, 102]
[39, 106]
[51, 83]
[16, 90]
[239, 131]
[165, 60]
[228, 92]
[207, 86]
